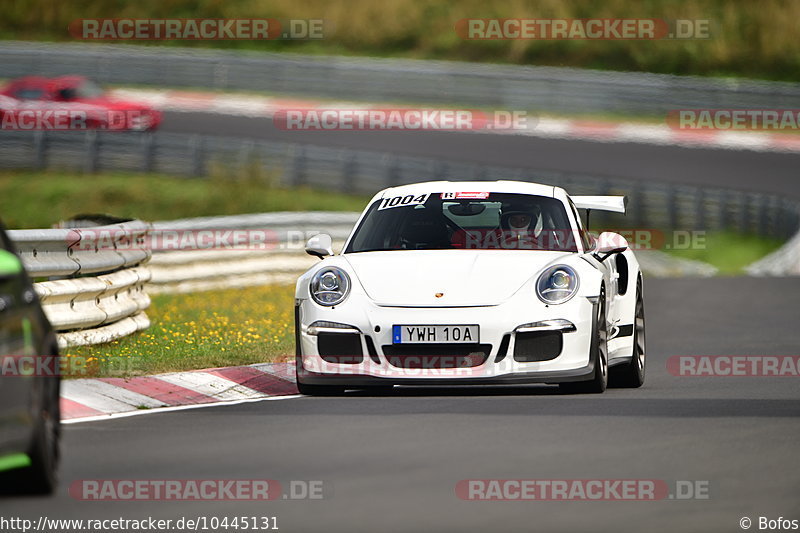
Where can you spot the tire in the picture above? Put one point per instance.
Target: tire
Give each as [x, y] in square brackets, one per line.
[320, 390]
[599, 354]
[631, 375]
[41, 477]
[313, 390]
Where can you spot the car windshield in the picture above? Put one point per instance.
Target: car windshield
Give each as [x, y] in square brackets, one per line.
[482, 221]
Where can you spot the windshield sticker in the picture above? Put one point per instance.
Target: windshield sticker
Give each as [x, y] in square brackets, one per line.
[465, 195]
[403, 201]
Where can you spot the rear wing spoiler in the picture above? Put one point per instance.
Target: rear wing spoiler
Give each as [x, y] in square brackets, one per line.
[617, 204]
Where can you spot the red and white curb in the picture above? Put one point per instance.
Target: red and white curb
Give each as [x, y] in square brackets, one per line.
[545, 127]
[102, 398]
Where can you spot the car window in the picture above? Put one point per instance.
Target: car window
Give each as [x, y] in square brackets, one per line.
[439, 221]
[26, 93]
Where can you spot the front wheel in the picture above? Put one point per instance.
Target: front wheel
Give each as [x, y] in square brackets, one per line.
[313, 390]
[599, 354]
[41, 476]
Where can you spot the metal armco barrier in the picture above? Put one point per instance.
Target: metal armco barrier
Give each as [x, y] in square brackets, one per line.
[283, 258]
[95, 292]
[385, 80]
[784, 261]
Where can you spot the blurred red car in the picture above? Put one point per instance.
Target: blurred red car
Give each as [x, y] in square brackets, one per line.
[35, 102]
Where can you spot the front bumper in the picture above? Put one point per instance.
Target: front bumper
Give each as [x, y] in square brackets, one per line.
[370, 326]
[355, 380]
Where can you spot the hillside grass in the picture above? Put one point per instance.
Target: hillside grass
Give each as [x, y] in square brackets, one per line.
[748, 39]
[728, 251]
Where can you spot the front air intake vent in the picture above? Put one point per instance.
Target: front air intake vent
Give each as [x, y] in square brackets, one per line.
[373, 353]
[503, 350]
[341, 348]
[537, 346]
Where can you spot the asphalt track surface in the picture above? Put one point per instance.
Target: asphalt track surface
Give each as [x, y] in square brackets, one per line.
[391, 463]
[746, 170]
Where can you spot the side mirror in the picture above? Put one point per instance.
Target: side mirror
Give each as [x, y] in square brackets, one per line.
[609, 243]
[320, 245]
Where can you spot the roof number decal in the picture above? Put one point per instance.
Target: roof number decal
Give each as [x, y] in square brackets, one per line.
[402, 201]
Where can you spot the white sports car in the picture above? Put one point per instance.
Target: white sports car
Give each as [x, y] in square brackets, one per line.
[456, 283]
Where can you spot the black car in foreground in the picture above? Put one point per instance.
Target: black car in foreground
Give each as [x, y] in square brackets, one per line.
[29, 383]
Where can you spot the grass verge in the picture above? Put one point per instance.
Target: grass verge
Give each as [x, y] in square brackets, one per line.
[729, 252]
[202, 330]
[150, 197]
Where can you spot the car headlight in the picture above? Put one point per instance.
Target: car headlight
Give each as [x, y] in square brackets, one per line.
[557, 284]
[330, 286]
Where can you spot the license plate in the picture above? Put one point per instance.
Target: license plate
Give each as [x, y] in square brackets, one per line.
[439, 334]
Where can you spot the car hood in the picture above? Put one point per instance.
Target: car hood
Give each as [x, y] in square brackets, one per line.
[463, 277]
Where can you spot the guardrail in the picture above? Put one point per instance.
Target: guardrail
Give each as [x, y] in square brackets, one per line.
[95, 291]
[384, 80]
[783, 262]
[280, 260]
[664, 206]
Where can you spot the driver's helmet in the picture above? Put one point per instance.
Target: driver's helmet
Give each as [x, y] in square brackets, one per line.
[519, 218]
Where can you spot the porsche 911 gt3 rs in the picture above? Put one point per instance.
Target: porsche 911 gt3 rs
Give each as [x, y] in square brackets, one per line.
[460, 283]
